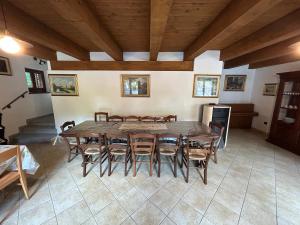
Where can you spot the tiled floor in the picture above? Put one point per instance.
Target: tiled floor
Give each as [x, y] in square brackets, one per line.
[253, 183]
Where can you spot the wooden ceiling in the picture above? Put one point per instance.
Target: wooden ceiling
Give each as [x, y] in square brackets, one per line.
[246, 31]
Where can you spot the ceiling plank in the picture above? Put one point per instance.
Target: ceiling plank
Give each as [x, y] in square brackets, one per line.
[124, 65]
[29, 29]
[40, 52]
[280, 49]
[237, 14]
[275, 61]
[280, 30]
[160, 10]
[84, 20]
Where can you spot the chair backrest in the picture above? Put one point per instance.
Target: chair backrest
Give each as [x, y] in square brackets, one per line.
[67, 125]
[132, 118]
[197, 141]
[142, 141]
[217, 128]
[101, 116]
[171, 118]
[148, 119]
[172, 139]
[115, 118]
[6, 155]
[101, 138]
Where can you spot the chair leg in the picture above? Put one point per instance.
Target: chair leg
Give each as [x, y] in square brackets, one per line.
[100, 161]
[69, 156]
[109, 164]
[134, 165]
[187, 170]
[205, 175]
[126, 160]
[215, 157]
[24, 184]
[84, 165]
[159, 164]
[175, 165]
[151, 165]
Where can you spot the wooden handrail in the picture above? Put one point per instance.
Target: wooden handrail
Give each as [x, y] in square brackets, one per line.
[8, 106]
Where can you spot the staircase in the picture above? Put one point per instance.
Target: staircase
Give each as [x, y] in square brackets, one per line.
[37, 130]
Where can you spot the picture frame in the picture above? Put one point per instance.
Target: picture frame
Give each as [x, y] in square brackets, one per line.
[270, 89]
[135, 85]
[5, 68]
[235, 82]
[63, 84]
[206, 86]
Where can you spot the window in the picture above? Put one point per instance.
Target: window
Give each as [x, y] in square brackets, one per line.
[35, 81]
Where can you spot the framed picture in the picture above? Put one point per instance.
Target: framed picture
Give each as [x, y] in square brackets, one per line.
[63, 85]
[5, 66]
[135, 85]
[235, 82]
[270, 89]
[206, 86]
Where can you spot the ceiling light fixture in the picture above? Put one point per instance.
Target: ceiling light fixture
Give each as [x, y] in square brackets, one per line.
[296, 47]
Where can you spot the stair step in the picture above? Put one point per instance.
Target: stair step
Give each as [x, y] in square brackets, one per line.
[30, 138]
[36, 129]
[42, 121]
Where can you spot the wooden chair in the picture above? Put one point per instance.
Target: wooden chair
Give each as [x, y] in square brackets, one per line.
[218, 129]
[131, 118]
[101, 116]
[193, 151]
[148, 119]
[92, 150]
[71, 140]
[171, 118]
[168, 145]
[9, 177]
[142, 145]
[118, 149]
[115, 118]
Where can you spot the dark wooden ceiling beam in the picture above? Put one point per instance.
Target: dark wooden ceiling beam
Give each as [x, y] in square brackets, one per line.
[159, 14]
[80, 15]
[124, 65]
[280, 30]
[29, 29]
[40, 52]
[280, 49]
[237, 14]
[276, 61]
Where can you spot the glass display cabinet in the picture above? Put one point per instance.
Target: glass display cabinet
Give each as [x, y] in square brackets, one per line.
[285, 127]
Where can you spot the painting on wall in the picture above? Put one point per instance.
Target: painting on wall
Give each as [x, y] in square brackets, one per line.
[235, 82]
[206, 86]
[270, 89]
[135, 85]
[63, 85]
[5, 66]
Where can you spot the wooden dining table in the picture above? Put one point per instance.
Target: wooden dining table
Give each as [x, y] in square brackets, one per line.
[183, 128]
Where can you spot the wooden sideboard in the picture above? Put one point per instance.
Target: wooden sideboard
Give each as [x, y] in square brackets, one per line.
[241, 115]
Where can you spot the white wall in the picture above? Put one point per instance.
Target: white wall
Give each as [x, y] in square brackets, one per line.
[171, 92]
[33, 105]
[237, 96]
[264, 105]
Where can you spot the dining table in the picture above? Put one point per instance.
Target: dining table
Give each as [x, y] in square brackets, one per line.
[29, 163]
[184, 128]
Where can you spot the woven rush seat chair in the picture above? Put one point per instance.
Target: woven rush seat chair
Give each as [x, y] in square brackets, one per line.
[71, 140]
[117, 149]
[142, 144]
[168, 146]
[101, 116]
[131, 118]
[148, 119]
[93, 152]
[170, 118]
[115, 118]
[194, 151]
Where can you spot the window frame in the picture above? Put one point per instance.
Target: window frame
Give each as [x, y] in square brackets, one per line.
[35, 89]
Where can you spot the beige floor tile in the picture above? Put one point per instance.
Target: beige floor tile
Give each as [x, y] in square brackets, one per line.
[52, 221]
[113, 214]
[65, 200]
[184, 214]
[98, 200]
[148, 187]
[132, 200]
[220, 214]
[75, 215]
[37, 215]
[120, 187]
[167, 221]
[90, 221]
[164, 200]
[256, 216]
[177, 186]
[230, 200]
[205, 222]
[92, 186]
[148, 214]
[129, 221]
[234, 184]
[282, 221]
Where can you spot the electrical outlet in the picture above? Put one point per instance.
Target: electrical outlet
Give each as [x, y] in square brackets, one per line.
[265, 123]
